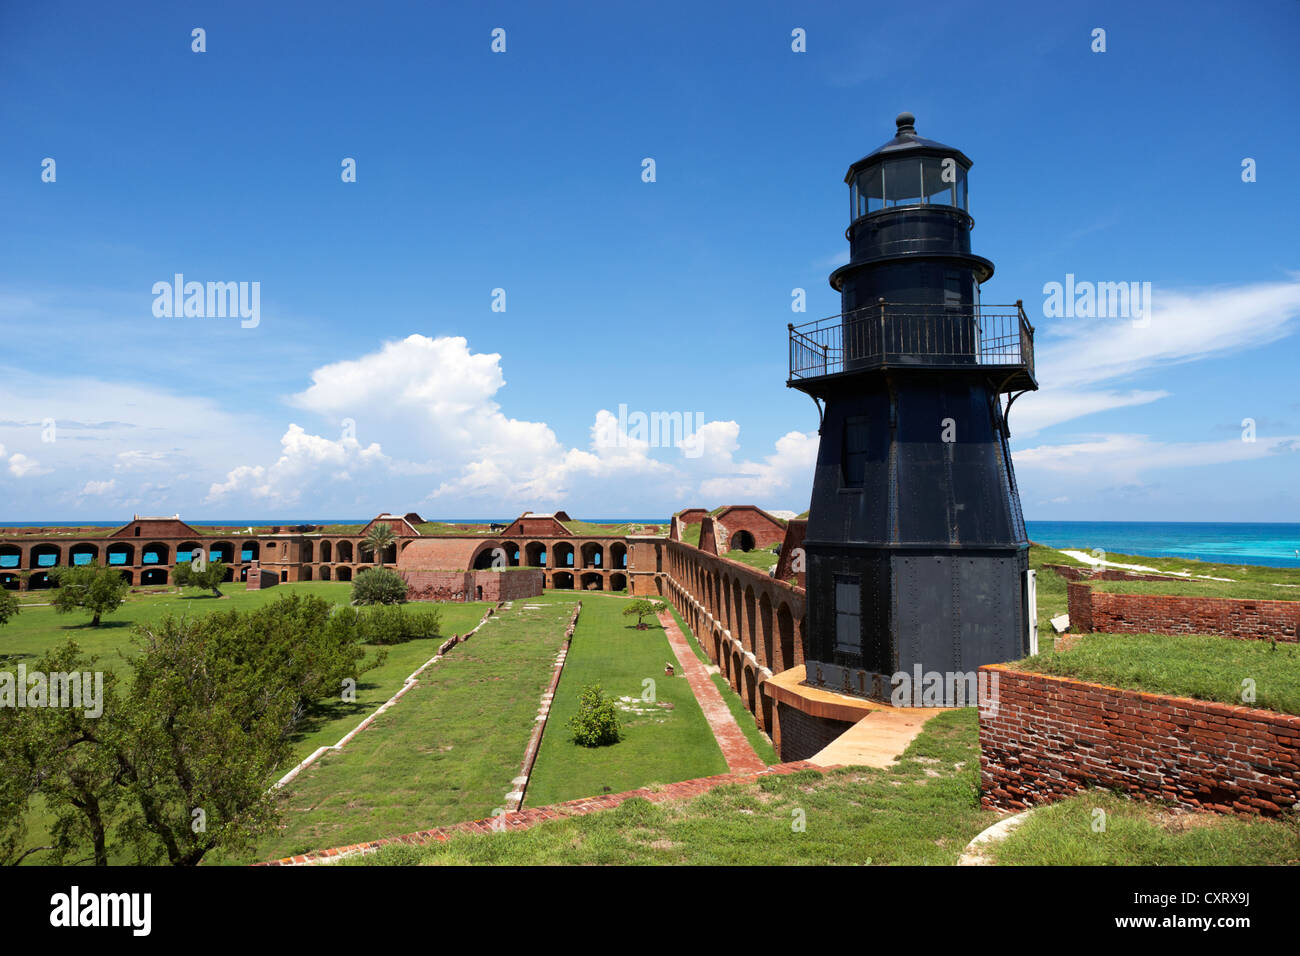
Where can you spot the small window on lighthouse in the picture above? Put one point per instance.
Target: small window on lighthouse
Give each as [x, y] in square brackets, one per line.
[848, 613]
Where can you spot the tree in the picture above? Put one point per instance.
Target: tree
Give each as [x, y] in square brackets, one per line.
[643, 609]
[378, 586]
[9, 605]
[210, 718]
[209, 576]
[89, 587]
[59, 753]
[19, 782]
[596, 722]
[180, 763]
[377, 539]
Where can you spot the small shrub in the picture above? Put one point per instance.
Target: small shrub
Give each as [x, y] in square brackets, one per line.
[596, 723]
[378, 586]
[386, 623]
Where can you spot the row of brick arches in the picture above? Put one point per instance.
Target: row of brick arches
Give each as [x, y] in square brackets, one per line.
[151, 562]
[750, 624]
[554, 555]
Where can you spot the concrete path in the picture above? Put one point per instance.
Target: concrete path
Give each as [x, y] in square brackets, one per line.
[877, 739]
[741, 757]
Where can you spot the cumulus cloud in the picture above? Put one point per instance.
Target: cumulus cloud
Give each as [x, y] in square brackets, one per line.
[788, 470]
[437, 400]
[20, 466]
[304, 459]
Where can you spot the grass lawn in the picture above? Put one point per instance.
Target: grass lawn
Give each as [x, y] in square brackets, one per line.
[445, 753]
[757, 558]
[659, 745]
[618, 529]
[1186, 665]
[922, 810]
[761, 743]
[1139, 833]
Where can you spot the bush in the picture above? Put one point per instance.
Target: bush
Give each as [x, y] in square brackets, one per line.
[596, 722]
[386, 624]
[378, 586]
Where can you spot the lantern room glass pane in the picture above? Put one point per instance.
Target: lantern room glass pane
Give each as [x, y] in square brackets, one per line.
[869, 194]
[903, 182]
[937, 191]
[961, 189]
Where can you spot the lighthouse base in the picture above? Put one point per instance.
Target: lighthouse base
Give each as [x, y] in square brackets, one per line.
[917, 622]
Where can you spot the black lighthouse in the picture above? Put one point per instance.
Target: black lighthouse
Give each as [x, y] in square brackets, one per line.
[916, 548]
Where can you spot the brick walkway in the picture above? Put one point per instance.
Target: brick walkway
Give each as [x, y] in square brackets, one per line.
[524, 819]
[741, 757]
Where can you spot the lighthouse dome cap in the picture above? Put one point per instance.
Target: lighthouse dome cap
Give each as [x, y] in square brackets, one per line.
[906, 141]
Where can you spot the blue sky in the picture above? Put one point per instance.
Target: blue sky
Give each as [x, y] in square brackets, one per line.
[522, 171]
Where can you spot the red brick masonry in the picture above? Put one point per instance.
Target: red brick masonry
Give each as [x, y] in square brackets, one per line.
[1052, 736]
[259, 578]
[524, 819]
[512, 585]
[1092, 610]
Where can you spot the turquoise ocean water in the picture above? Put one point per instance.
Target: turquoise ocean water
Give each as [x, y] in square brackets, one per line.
[1229, 543]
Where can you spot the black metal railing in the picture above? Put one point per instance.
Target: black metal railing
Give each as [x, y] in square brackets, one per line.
[892, 333]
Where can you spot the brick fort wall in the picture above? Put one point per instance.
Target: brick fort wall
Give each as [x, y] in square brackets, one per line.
[510, 585]
[1050, 737]
[1092, 610]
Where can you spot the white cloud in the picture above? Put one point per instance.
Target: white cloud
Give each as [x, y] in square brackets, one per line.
[136, 459]
[436, 399]
[20, 466]
[788, 470]
[99, 487]
[1076, 356]
[1120, 458]
[304, 460]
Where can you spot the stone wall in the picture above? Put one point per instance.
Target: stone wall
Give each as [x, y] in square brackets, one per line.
[765, 529]
[1050, 737]
[1092, 610]
[509, 585]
